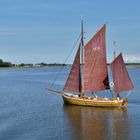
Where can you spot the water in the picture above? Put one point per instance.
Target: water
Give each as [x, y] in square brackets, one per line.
[29, 112]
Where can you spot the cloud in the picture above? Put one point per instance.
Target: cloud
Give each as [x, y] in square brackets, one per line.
[132, 58]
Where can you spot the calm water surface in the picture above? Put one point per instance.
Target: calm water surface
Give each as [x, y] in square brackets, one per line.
[29, 112]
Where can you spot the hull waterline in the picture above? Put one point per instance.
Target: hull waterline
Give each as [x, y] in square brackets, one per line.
[95, 102]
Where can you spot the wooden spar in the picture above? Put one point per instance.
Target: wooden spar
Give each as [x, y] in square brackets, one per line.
[54, 91]
[114, 59]
[82, 60]
[114, 49]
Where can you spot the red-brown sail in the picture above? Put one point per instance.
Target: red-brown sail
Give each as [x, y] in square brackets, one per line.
[122, 81]
[95, 65]
[73, 83]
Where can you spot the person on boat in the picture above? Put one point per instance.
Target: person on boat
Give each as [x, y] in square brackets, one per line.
[94, 95]
[118, 96]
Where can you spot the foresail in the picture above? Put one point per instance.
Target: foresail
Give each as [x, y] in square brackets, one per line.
[73, 83]
[122, 81]
[95, 65]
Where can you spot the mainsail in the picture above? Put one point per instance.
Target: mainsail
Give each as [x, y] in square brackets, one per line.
[122, 81]
[73, 83]
[95, 65]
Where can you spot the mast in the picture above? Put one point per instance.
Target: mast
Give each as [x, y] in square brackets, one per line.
[115, 58]
[82, 59]
[114, 49]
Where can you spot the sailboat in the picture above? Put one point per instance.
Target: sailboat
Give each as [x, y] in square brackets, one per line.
[89, 74]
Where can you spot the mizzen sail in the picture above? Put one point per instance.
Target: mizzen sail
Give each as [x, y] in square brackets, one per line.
[73, 83]
[122, 81]
[95, 65]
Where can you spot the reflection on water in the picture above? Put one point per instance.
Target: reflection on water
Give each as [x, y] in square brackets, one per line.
[97, 123]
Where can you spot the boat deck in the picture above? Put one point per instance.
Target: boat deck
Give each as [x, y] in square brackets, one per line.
[94, 101]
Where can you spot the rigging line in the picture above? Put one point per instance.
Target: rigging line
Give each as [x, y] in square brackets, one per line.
[129, 92]
[60, 70]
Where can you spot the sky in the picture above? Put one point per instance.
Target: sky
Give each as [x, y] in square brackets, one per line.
[34, 31]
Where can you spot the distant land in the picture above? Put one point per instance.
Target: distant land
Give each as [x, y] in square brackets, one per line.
[4, 64]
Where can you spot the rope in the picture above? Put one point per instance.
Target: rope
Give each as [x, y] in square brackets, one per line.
[60, 70]
[54, 91]
[128, 93]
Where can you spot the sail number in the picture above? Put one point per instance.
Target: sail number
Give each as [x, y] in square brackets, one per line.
[96, 48]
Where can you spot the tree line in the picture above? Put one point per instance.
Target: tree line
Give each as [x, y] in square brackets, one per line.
[5, 64]
[9, 64]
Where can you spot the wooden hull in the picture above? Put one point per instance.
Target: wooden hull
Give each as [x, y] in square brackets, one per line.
[96, 102]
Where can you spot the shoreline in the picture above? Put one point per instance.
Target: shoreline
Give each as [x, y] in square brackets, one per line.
[127, 66]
